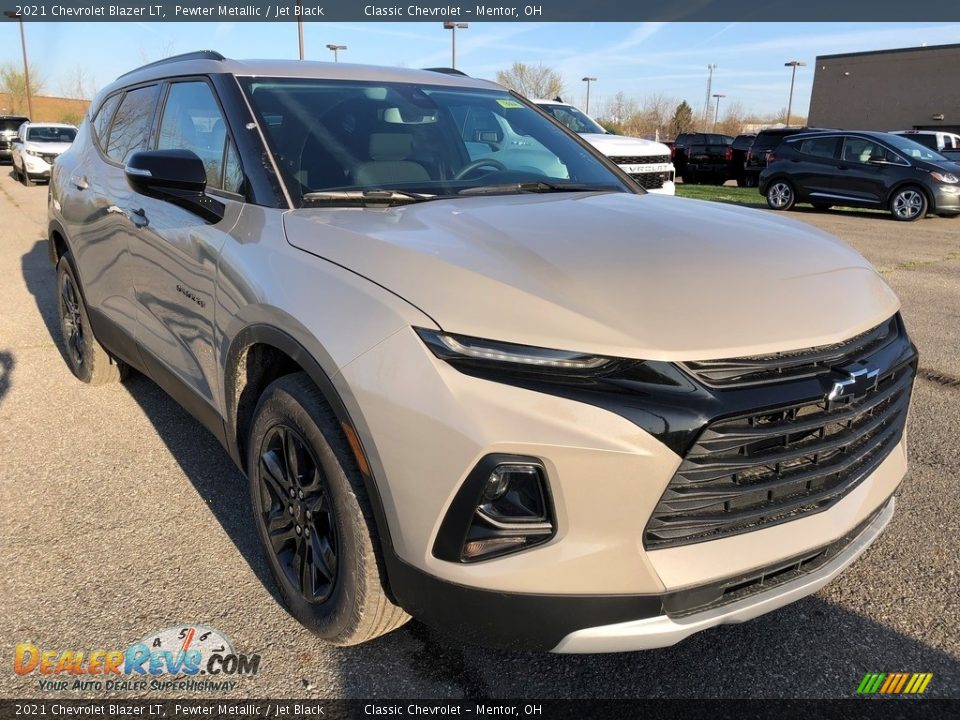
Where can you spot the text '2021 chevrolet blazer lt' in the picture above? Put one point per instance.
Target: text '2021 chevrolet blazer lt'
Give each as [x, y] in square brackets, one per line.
[492, 385]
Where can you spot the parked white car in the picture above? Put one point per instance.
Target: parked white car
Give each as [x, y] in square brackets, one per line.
[646, 161]
[37, 146]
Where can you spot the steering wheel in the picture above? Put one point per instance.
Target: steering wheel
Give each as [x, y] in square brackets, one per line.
[476, 164]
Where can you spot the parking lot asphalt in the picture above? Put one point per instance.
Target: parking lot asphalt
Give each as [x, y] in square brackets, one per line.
[120, 515]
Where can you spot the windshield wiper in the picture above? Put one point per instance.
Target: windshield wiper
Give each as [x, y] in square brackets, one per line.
[538, 186]
[366, 198]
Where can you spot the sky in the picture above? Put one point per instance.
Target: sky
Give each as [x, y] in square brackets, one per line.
[638, 59]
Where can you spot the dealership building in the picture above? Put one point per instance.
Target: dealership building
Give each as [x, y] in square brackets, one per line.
[905, 89]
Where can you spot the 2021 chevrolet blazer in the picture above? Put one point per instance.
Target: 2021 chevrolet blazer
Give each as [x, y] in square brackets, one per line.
[492, 385]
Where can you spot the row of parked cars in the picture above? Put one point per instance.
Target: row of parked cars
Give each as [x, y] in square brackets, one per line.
[716, 158]
[32, 147]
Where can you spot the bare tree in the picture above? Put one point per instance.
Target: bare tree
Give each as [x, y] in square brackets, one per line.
[733, 119]
[12, 83]
[533, 81]
[77, 85]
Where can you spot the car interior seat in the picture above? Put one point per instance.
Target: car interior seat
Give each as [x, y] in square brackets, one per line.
[388, 162]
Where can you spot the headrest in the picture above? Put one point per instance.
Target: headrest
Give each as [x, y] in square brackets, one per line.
[390, 146]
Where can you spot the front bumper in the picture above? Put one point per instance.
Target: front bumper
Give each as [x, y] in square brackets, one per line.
[946, 198]
[594, 586]
[36, 167]
[663, 630]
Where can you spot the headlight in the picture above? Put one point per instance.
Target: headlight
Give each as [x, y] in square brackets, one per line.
[461, 350]
[35, 153]
[948, 178]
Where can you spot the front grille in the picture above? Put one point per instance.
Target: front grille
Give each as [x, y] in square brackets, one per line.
[707, 597]
[765, 467]
[651, 181]
[640, 159]
[791, 365]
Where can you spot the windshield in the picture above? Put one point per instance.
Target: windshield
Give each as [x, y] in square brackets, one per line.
[8, 124]
[51, 134]
[439, 141]
[574, 119]
[913, 149]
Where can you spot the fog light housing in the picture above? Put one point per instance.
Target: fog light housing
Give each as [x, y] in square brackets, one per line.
[502, 507]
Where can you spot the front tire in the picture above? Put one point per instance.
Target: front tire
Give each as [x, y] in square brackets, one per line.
[25, 176]
[87, 358]
[781, 195]
[314, 518]
[909, 204]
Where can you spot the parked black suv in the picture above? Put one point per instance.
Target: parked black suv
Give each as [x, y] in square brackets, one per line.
[9, 124]
[737, 157]
[763, 143]
[861, 169]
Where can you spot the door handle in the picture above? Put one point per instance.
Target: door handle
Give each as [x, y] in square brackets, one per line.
[138, 217]
[841, 166]
[79, 182]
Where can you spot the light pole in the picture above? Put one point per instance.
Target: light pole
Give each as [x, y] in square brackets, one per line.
[300, 27]
[453, 27]
[26, 68]
[336, 49]
[716, 114]
[706, 101]
[793, 64]
[588, 80]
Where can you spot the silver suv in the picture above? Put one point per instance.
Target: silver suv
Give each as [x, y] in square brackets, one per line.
[473, 373]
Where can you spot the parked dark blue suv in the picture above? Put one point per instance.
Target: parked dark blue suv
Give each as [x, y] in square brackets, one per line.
[861, 169]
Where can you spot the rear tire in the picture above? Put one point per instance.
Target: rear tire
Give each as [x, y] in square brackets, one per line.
[750, 180]
[87, 358]
[909, 203]
[314, 518]
[781, 195]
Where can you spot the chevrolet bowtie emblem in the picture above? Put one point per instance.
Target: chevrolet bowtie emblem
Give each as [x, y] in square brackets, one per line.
[855, 385]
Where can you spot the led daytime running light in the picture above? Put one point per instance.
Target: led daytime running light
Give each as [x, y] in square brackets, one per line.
[544, 358]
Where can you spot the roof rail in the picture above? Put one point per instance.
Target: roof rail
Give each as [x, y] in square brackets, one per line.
[447, 71]
[196, 55]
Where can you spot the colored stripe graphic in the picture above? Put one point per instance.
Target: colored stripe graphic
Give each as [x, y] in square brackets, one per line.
[894, 683]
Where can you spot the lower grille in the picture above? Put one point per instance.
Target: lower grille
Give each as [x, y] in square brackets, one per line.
[640, 159]
[707, 597]
[651, 181]
[768, 467]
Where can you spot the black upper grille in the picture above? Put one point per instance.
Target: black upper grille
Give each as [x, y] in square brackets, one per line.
[651, 181]
[769, 466]
[794, 364]
[640, 159]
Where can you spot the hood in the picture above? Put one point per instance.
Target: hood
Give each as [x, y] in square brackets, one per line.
[640, 276]
[948, 165]
[47, 148]
[618, 145]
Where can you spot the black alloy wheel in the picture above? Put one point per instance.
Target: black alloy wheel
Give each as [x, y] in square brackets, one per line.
[297, 513]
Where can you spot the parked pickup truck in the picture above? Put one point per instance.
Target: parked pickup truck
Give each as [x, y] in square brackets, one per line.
[702, 157]
[646, 161]
[945, 143]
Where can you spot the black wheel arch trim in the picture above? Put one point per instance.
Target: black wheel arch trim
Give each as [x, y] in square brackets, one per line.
[370, 465]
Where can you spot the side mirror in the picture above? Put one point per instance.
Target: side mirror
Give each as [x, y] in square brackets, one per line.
[176, 176]
[878, 160]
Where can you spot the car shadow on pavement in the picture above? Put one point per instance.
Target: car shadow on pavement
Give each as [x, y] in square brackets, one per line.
[6, 371]
[812, 648]
[202, 459]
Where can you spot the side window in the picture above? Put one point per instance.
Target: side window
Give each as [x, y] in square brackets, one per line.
[819, 147]
[101, 123]
[860, 150]
[130, 131]
[192, 121]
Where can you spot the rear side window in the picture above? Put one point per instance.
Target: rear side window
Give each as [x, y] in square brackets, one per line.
[819, 147]
[101, 123]
[132, 122]
[192, 121]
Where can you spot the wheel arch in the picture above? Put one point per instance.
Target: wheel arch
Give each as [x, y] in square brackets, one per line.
[57, 243]
[911, 182]
[259, 354]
